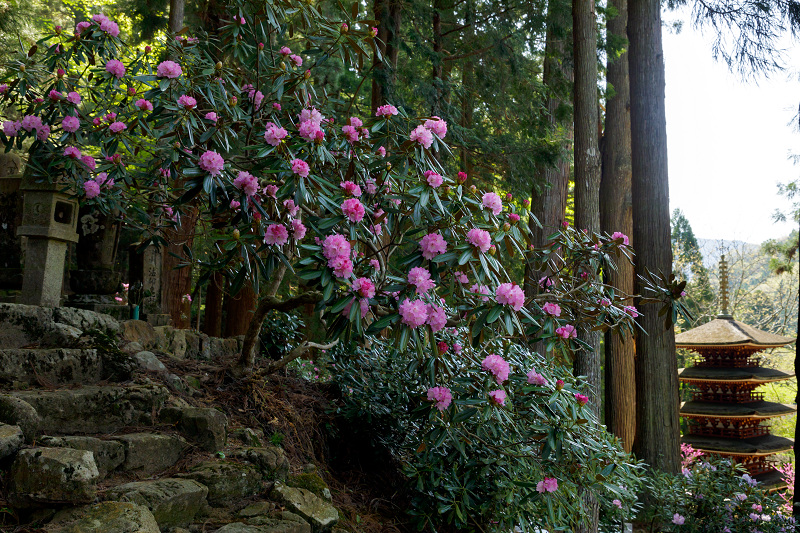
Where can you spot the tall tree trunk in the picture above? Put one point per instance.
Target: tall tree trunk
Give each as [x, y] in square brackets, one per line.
[657, 427]
[177, 282]
[549, 205]
[239, 311]
[176, 10]
[212, 319]
[467, 81]
[388, 15]
[438, 63]
[587, 190]
[616, 215]
[796, 496]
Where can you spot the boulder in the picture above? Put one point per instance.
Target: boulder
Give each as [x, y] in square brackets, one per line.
[54, 366]
[140, 332]
[53, 475]
[313, 482]
[270, 460]
[221, 349]
[148, 362]
[282, 522]
[132, 348]
[227, 482]
[320, 514]
[205, 426]
[16, 412]
[249, 436]
[95, 409]
[11, 440]
[173, 502]
[108, 454]
[257, 509]
[86, 321]
[151, 452]
[105, 517]
[270, 525]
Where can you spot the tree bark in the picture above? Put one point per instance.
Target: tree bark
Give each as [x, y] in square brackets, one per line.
[549, 205]
[212, 319]
[436, 73]
[176, 10]
[177, 282]
[239, 310]
[388, 15]
[657, 427]
[796, 495]
[587, 192]
[616, 215]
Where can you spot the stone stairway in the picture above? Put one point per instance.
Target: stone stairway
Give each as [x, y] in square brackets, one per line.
[97, 439]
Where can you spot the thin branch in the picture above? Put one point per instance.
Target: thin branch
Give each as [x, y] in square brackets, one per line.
[298, 351]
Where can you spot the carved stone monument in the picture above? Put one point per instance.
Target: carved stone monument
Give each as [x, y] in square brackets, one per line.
[10, 218]
[49, 220]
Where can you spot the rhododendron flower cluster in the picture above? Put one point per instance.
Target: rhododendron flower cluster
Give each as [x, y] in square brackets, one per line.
[386, 110]
[566, 332]
[581, 399]
[498, 396]
[552, 309]
[336, 249]
[481, 289]
[353, 209]
[169, 69]
[247, 183]
[274, 134]
[497, 366]
[422, 136]
[413, 313]
[534, 378]
[619, 235]
[480, 239]
[510, 294]
[432, 245]
[212, 162]
[187, 102]
[364, 287]
[69, 124]
[276, 234]
[351, 188]
[300, 168]
[492, 202]
[421, 279]
[441, 396]
[433, 179]
[548, 484]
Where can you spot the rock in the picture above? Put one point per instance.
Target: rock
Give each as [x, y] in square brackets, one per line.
[221, 349]
[95, 409]
[54, 366]
[16, 412]
[313, 482]
[270, 460]
[257, 509]
[249, 436]
[108, 454]
[177, 344]
[205, 426]
[172, 501]
[23, 325]
[132, 348]
[86, 321]
[105, 517]
[268, 525]
[140, 332]
[227, 482]
[320, 514]
[11, 440]
[175, 383]
[194, 343]
[151, 452]
[149, 362]
[53, 475]
[163, 338]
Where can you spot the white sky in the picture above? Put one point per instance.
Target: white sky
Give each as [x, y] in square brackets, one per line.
[728, 139]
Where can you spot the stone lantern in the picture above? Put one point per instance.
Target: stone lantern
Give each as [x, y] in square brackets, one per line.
[49, 222]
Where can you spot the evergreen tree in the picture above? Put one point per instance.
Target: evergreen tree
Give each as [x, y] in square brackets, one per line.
[687, 264]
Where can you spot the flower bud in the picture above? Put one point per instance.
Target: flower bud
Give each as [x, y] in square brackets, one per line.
[473, 189]
[60, 73]
[307, 74]
[526, 202]
[233, 101]
[218, 65]
[446, 189]
[22, 68]
[559, 384]
[131, 91]
[492, 249]
[58, 30]
[283, 65]
[388, 166]
[236, 234]
[260, 46]
[344, 28]
[506, 226]
[147, 49]
[509, 197]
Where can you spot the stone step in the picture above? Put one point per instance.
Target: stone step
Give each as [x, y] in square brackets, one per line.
[53, 366]
[173, 502]
[42, 476]
[108, 454]
[94, 409]
[26, 325]
[105, 517]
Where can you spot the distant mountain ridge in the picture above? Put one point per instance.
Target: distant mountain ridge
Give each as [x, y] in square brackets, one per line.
[712, 249]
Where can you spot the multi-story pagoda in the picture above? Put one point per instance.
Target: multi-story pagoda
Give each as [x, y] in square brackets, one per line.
[725, 416]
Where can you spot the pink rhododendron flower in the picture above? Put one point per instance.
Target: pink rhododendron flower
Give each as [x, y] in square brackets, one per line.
[374, 263]
[70, 124]
[480, 239]
[350, 188]
[567, 332]
[271, 190]
[309, 130]
[421, 135]
[74, 98]
[414, 313]
[298, 230]
[386, 110]
[91, 188]
[212, 162]
[559, 384]
[481, 289]
[513, 217]
[274, 134]
[286, 51]
[678, 520]
[276, 234]
[115, 68]
[441, 396]
[351, 133]
[300, 168]
[246, 182]
[111, 117]
[168, 69]
[342, 267]
[364, 287]
[437, 126]
[492, 202]
[72, 152]
[421, 278]
[432, 245]
[335, 246]
[290, 207]
[54, 95]
[534, 378]
[461, 277]
[631, 310]
[552, 309]
[116, 127]
[187, 102]
[497, 366]
[382, 151]
[110, 27]
[548, 484]
[433, 179]
[437, 317]
[11, 128]
[31, 122]
[581, 399]
[353, 209]
[211, 116]
[43, 133]
[617, 503]
[82, 26]
[235, 204]
[618, 235]
[89, 162]
[510, 294]
[498, 396]
[297, 60]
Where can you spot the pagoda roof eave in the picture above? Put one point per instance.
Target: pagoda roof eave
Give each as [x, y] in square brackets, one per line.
[726, 332]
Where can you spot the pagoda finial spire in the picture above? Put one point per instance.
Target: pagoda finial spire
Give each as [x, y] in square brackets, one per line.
[723, 288]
